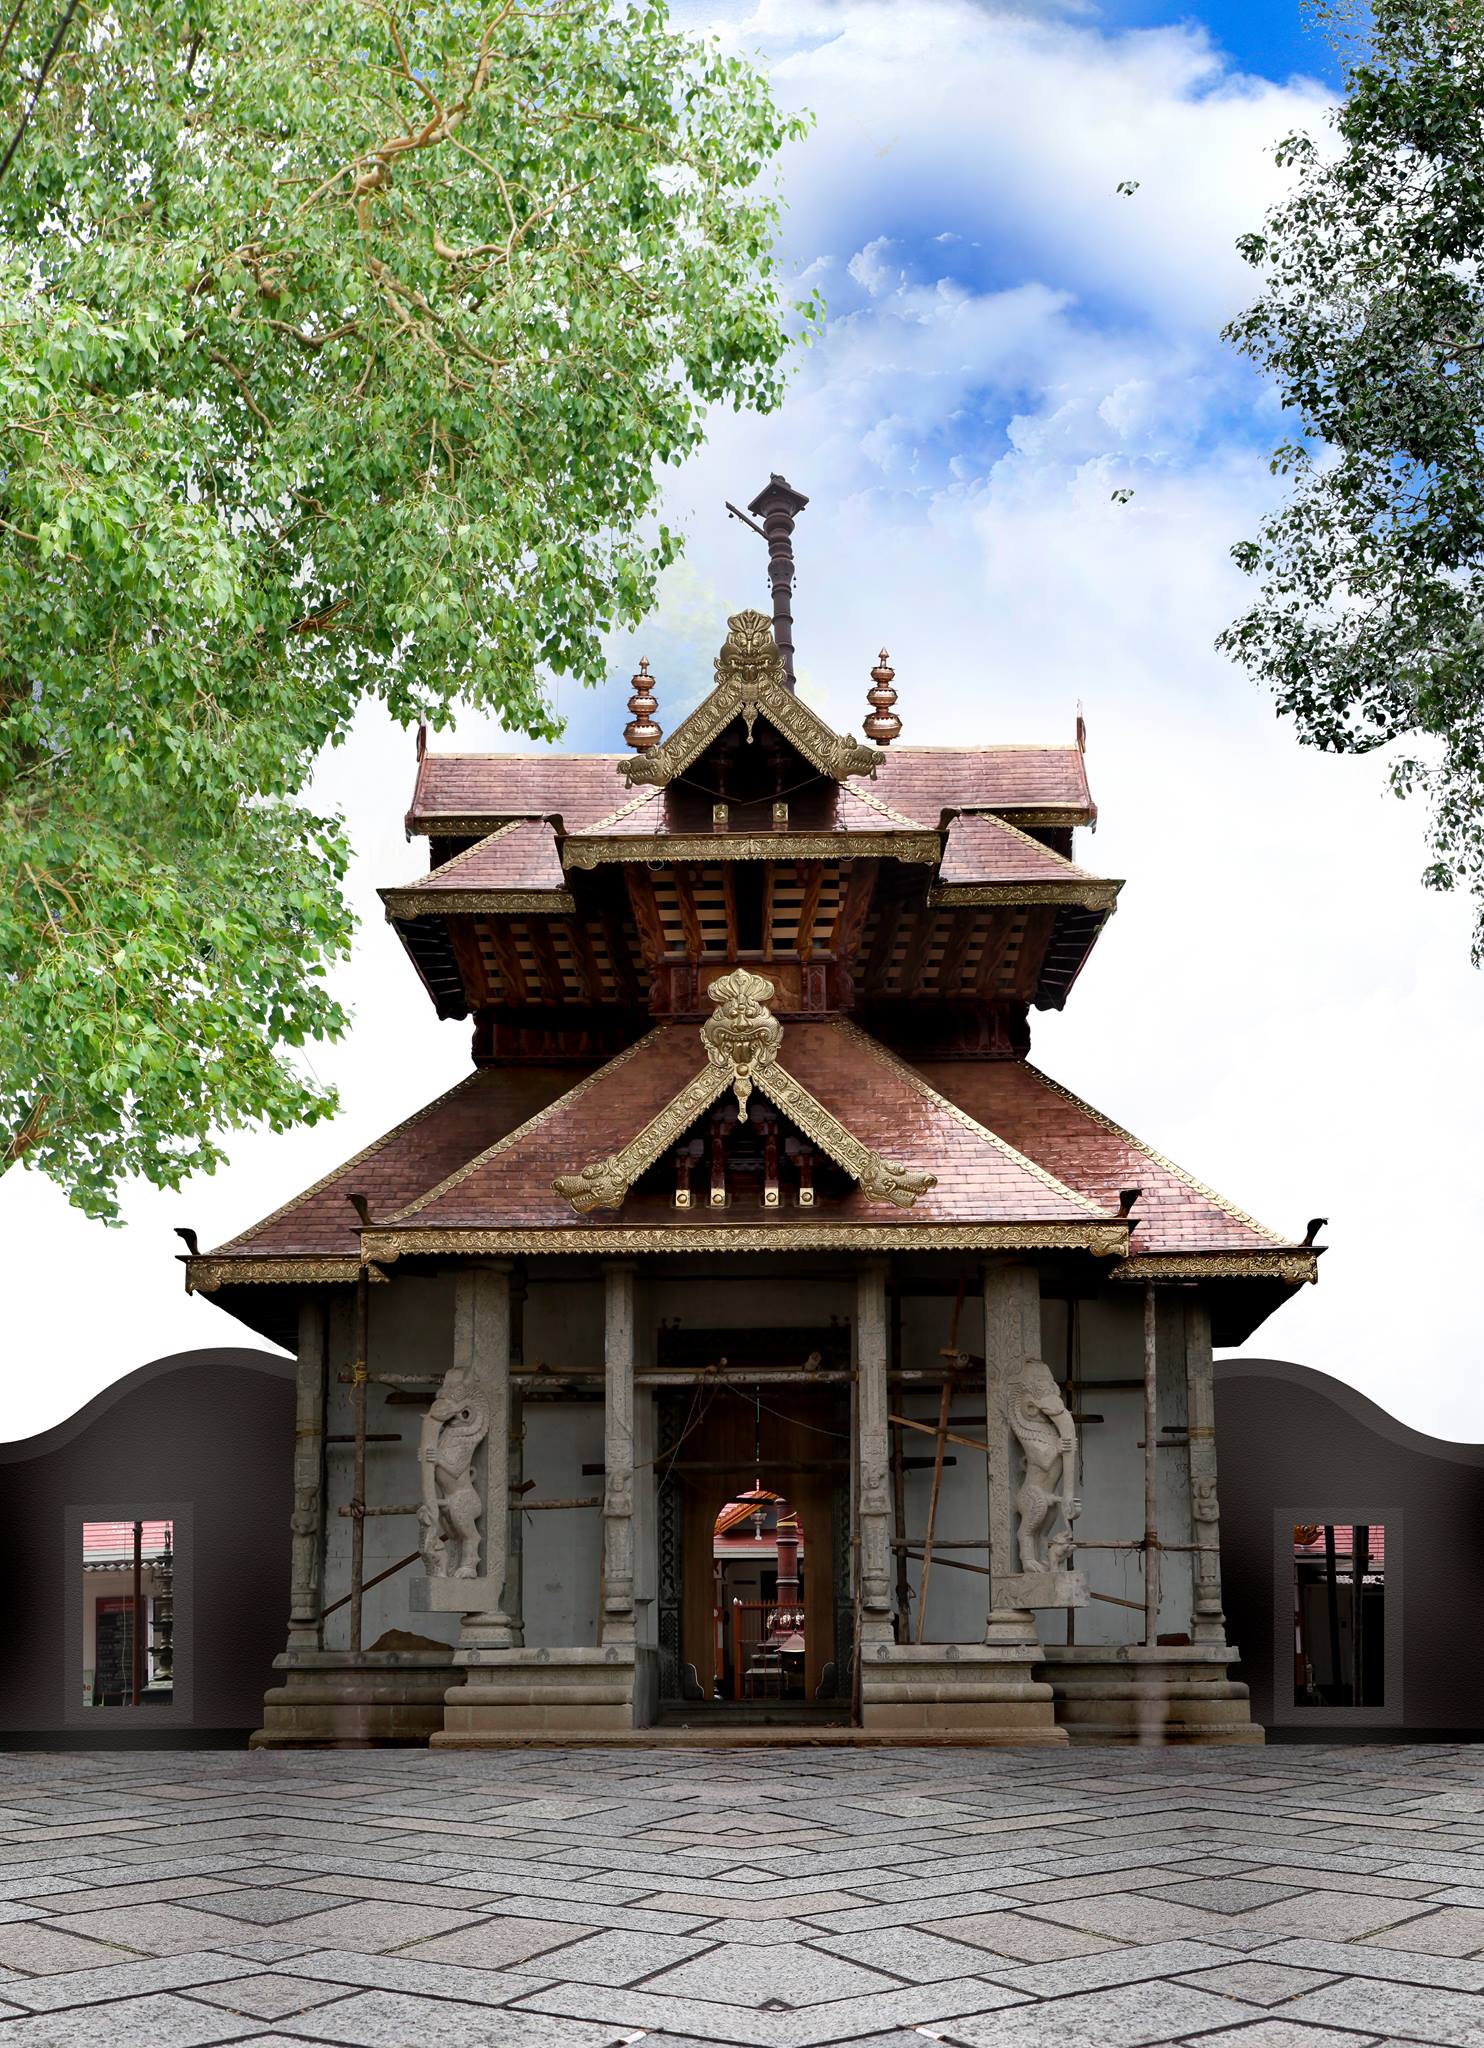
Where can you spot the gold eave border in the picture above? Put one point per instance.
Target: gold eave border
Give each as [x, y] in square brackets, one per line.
[205, 1276]
[409, 903]
[455, 824]
[1293, 1267]
[659, 849]
[1101, 1240]
[965, 895]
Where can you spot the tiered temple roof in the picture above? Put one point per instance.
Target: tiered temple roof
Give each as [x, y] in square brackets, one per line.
[760, 986]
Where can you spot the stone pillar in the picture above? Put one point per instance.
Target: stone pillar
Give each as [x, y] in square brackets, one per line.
[1208, 1623]
[306, 1596]
[481, 1350]
[616, 1623]
[1012, 1334]
[873, 1498]
[515, 1553]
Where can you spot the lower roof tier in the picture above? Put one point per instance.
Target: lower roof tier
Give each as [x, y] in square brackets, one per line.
[841, 1144]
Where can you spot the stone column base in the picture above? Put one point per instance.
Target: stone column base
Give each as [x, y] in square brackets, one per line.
[965, 1692]
[572, 1695]
[1120, 1692]
[331, 1698]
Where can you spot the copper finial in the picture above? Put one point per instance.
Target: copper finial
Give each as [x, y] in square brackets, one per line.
[641, 732]
[883, 725]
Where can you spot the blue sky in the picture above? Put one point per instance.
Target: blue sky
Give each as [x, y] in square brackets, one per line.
[1278, 1004]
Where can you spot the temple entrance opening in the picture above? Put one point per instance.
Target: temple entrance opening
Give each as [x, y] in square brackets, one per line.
[761, 1620]
[756, 1615]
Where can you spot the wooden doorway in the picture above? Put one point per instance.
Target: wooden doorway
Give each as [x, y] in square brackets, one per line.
[727, 1443]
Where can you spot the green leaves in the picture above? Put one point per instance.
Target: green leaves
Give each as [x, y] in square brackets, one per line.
[1369, 619]
[341, 352]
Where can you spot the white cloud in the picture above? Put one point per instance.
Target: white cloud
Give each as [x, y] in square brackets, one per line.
[1278, 1004]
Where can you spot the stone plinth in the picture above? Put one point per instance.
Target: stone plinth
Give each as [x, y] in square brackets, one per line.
[355, 1700]
[965, 1692]
[1172, 1694]
[516, 1696]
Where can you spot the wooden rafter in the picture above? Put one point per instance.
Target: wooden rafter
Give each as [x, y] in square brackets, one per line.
[1039, 925]
[950, 967]
[919, 938]
[616, 938]
[507, 959]
[584, 961]
[998, 936]
[464, 940]
[685, 897]
[855, 905]
[647, 922]
[883, 945]
[813, 879]
[548, 966]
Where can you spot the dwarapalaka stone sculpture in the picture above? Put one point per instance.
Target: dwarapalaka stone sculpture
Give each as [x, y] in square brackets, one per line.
[1047, 1437]
[454, 1427]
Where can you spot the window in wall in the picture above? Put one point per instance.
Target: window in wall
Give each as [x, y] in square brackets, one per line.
[128, 1614]
[1339, 1614]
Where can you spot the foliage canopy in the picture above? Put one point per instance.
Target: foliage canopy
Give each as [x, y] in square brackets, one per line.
[1369, 620]
[342, 345]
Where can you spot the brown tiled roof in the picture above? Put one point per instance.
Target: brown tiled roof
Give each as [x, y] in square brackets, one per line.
[924, 781]
[881, 1101]
[409, 1160]
[985, 849]
[1084, 1148]
[856, 809]
[919, 783]
[580, 788]
[519, 856]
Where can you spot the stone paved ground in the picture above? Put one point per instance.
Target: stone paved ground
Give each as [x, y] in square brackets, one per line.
[1093, 1898]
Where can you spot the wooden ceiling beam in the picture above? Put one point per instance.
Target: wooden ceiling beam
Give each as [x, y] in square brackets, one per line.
[1040, 923]
[690, 918]
[584, 961]
[809, 907]
[923, 928]
[464, 938]
[507, 959]
[1000, 930]
[548, 966]
[855, 906]
[884, 943]
[615, 937]
[960, 932]
[646, 913]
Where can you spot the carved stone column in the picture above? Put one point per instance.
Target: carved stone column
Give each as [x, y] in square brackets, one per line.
[616, 1623]
[873, 1498]
[1012, 1334]
[1208, 1623]
[515, 1555]
[306, 1596]
[481, 1351]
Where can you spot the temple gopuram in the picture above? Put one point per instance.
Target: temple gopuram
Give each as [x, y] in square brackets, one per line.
[755, 1344]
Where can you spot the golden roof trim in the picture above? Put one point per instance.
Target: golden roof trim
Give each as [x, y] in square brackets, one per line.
[1099, 1240]
[1292, 1264]
[404, 903]
[1188, 1180]
[1091, 894]
[749, 684]
[917, 845]
[205, 1275]
[741, 1040]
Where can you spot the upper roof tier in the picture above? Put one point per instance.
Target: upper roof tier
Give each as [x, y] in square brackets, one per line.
[459, 795]
[855, 873]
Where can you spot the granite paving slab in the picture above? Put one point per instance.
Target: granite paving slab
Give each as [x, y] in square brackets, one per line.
[1304, 1897]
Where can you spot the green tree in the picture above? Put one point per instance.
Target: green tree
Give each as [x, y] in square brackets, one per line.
[342, 347]
[1369, 619]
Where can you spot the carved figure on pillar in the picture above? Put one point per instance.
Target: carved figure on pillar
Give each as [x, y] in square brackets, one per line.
[1047, 1437]
[454, 1427]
